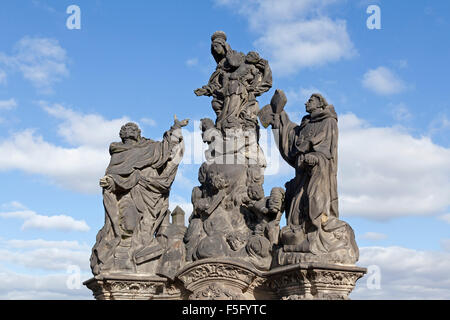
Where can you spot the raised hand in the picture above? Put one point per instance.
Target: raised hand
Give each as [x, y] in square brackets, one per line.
[179, 124]
[106, 182]
[200, 92]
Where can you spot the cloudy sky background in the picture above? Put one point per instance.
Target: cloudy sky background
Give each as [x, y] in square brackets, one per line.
[65, 93]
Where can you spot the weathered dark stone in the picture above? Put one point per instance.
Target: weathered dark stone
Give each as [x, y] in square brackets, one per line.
[134, 287]
[136, 190]
[313, 232]
[231, 218]
[233, 247]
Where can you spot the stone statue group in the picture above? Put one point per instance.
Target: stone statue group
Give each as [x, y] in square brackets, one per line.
[232, 219]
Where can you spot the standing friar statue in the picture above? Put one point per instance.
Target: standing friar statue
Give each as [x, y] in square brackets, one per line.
[313, 232]
[137, 237]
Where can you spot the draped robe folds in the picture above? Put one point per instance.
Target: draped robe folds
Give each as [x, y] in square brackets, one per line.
[311, 197]
[233, 92]
[143, 174]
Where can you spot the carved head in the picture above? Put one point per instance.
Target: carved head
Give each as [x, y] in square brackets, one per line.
[236, 240]
[219, 35]
[130, 131]
[315, 102]
[252, 57]
[206, 124]
[255, 191]
[219, 46]
[219, 181]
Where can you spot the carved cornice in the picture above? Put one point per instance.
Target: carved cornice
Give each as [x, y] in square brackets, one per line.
[215, 292]
[104, 287]
[292, 278]
[216, 270]
[214, 279]
[334, 278]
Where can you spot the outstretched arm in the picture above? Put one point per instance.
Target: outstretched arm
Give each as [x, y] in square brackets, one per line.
[285, 133]
[284, 130]
[212, 85]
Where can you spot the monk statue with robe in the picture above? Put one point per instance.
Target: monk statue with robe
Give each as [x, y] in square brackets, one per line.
[136, 189]
[313, 232]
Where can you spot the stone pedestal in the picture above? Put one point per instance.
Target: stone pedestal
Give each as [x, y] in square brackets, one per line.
[223, 279]
[132, 287]
[313, 281]
[219, 279]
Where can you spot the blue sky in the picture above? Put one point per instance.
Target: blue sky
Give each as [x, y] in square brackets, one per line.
[65, 93]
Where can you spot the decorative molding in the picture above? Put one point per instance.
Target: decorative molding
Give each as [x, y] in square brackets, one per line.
[215, 270]
[215, 292]
[105, 288]
[222, 280]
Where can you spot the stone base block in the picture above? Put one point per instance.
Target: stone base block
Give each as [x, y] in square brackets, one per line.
[220, 279]
[133, 287]
[217, 279]
[313, 281]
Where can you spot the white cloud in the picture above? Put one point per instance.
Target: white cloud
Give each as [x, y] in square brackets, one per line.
[263, 12]
[383, 81]
[32, 220]
[76, 168]
[59, 222]
[39, 254]
[72, 168]
[77, 128]
[47, 258]
[19, 286]
[405, 274]
[295, 33]
[42, 61]
[303, 44]
[47, 268]
[40, 243]
[81, 166]
[385, 172]
[374, 236]
[8, 104]
[13, 205]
